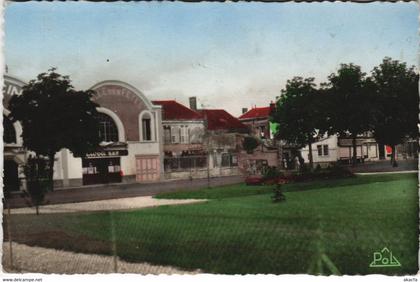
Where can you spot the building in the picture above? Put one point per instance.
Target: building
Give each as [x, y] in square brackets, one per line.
[223, 141]
[183, 134]
[333, 149]
[257, 120]
[131, 150]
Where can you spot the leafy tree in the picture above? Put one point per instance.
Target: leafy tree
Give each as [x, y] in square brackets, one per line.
[53, 116]
[249, 144]
[349, 103]
[298, 113]
[396, 103]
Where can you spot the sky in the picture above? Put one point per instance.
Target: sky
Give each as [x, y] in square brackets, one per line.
[228, 55]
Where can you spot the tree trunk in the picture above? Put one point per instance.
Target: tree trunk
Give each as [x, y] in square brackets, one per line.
[393, 160]
[51, 171]
[311, 159]
[37, 208]
[354, 158]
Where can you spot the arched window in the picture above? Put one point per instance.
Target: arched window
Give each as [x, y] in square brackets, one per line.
[108, 130]
[9, 134]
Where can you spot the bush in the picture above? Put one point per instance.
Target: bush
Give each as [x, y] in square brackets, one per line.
[332, 172]
[249, 144]
[278, 194]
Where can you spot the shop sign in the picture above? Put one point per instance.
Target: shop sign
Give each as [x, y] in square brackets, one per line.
[106, 154]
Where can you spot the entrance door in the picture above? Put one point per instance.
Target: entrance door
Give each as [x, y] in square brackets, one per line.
[148, 168]
[11, 177]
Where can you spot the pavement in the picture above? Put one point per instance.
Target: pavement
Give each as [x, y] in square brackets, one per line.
[27, 259]
[120, 190]
[106, 205]
[385, 166]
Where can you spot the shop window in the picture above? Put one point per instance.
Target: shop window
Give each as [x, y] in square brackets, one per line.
[9, 135]
[108, 130]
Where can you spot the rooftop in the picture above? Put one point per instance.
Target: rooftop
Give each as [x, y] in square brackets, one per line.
[262, 112]
[218, 119]
[172, 110]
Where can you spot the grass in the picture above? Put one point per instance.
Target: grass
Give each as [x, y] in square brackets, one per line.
[241, 231]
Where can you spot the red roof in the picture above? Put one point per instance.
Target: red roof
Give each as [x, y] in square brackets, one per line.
[172, 110]
[221, 120]
[262, 112]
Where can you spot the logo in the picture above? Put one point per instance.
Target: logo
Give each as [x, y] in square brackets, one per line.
[384, 258]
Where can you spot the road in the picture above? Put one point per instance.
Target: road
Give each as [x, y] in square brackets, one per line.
[116, 191]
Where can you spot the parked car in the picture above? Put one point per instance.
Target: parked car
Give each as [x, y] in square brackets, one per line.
[254, 180]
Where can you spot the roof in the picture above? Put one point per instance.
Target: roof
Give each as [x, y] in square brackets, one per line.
[172, 110]
[262, 112]
[221, 120]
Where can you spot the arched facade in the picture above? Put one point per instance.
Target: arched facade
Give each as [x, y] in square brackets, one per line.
[130, 151]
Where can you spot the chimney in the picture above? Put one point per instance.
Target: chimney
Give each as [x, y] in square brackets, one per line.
[244, 110]
[272, 105]
[193, 103]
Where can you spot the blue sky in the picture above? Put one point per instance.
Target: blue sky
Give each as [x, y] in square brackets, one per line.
[229, 55]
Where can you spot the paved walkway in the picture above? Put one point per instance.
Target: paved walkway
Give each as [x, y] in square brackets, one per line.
[114, 191]
[387, 172]
[106, 205]
[43, 260]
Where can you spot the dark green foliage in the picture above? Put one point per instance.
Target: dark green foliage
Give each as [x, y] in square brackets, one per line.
[349, 103]
[396, 103]
[54, 116]
[271, 172]
[249, 144]
[298, 113]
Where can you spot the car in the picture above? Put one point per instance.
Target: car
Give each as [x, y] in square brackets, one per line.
[254, 180]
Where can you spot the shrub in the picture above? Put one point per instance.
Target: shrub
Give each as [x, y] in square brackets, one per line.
[278, 194]
[249, 144]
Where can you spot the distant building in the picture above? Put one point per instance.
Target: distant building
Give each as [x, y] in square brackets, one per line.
[257, 120]
[333, 149]
[183, 133]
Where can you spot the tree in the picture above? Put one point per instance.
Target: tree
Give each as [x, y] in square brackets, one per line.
[349, 105]
[53, 116]
[396, 103]
[249, 144]
[298, 113]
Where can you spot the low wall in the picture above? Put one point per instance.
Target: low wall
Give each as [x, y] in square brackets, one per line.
[202, 173]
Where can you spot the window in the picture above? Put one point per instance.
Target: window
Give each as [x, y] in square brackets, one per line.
[229, 160]
[108, 130]
[319, 148]
[225, 160]
[262, 132]
[167, 134]
[147, 131]
[9, 135]
[326, 152]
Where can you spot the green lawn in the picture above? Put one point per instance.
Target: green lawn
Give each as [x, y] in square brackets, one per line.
[241, 231]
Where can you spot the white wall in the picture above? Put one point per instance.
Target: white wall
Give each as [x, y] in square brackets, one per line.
[332, 156]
